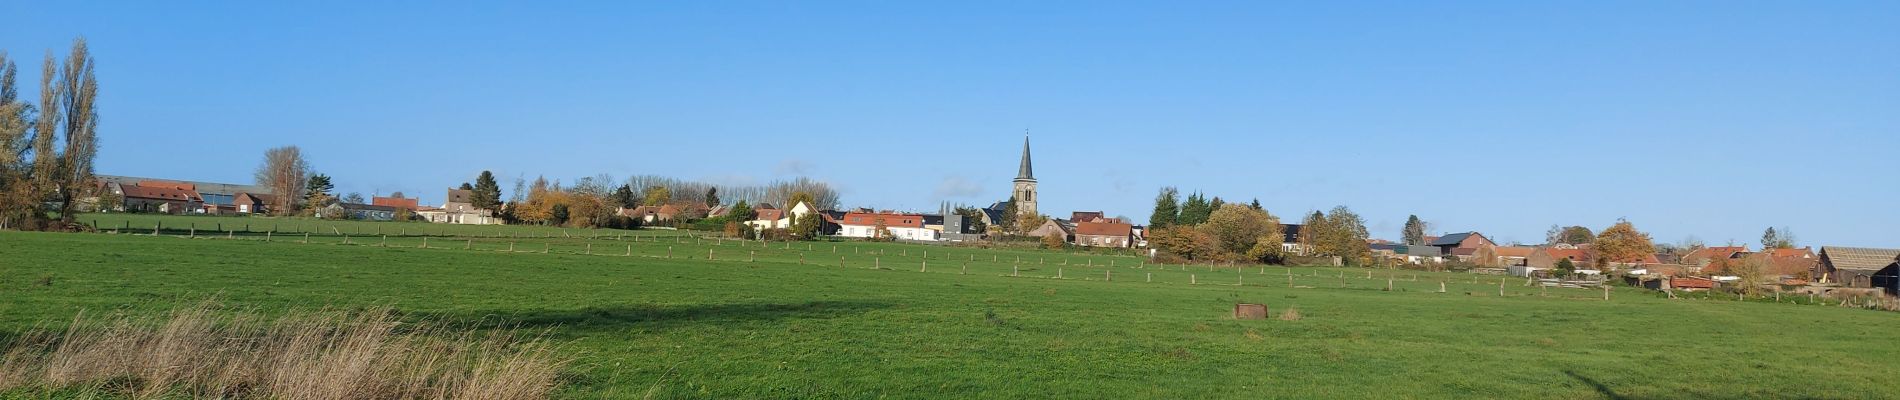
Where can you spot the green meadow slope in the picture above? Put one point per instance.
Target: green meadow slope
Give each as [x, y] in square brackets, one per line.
[646, 313]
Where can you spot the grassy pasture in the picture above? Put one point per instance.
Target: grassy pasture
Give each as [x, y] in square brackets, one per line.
[755, 321]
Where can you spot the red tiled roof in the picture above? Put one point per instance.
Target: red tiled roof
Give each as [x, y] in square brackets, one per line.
[1515, 251]
[1710, 253]
[168, 184]
[769, 214]
[1803, 252]
[397, 202]
[1572, 254]
[891, 220]
[172, 193]
[1104, 228]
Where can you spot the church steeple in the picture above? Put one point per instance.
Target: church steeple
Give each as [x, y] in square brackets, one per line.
[1024, 172]
[1025, 184]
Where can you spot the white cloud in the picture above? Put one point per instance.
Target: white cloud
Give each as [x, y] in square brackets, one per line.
[957, 186]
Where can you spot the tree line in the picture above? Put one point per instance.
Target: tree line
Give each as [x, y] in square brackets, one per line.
[47, 149]
[1203, 229]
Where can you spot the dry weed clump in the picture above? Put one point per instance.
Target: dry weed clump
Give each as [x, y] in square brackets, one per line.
[199, 352]
[1291, 314]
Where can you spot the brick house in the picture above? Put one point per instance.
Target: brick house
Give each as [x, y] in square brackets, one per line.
[166, 199]
[252, 203]
[1469, 241]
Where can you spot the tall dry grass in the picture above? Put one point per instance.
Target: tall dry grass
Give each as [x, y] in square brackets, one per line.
[204, 352]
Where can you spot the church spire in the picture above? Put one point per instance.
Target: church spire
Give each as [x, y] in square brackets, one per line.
[1024, 172]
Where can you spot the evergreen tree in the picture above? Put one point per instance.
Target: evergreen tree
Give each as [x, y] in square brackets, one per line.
[1215, 206]
[1256, 204]
[468, 187]
[1414, 231]
[487, 193]
[741, 212]
[1195, 210]
[1777, 239]
[317, 189]
[623, 197]
[1167, 209]
[712, 197]
[558, 214]
[1010, 216]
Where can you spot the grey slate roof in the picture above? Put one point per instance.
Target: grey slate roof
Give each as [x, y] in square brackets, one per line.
[1024, 172]
[1452, 239]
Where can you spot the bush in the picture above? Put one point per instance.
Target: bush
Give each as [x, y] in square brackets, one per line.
[1053, 241]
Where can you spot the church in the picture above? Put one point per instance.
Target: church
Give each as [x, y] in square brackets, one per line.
[1023, 188]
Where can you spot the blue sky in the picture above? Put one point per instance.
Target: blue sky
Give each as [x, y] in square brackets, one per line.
[1707, 119]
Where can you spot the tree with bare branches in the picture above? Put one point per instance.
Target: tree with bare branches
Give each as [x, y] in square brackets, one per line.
[285, 172]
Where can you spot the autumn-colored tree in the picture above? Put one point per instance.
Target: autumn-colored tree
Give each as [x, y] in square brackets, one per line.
[1312, 228]
[1622, 243]
[1344, 236]
[1185, 243]
[658, 196]
[1268, 248]
[538, 207]
[1053, 241]
[801, 197]
[15, 187]
[1237, 227]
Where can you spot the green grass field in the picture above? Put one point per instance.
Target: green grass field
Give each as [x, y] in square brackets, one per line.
[781, 320]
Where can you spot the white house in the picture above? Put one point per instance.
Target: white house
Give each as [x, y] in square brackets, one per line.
[773, 218]
[898, 225]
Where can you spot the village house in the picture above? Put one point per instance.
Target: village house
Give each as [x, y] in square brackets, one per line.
[1290, 240]
[396, 201]
[1852, 266]
[163, 199]
[1104, 233]
[1706, 255]
[1510, 256]
[1548, 257]
[1407, 254]
[774, 218]
[252, 203]
[897, 225]
[651, 214]
[458, 207]
[1058, 227]
[1462, 245]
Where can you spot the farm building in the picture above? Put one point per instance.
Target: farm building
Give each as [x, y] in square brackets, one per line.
[1470, 241]
[1852, 266]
